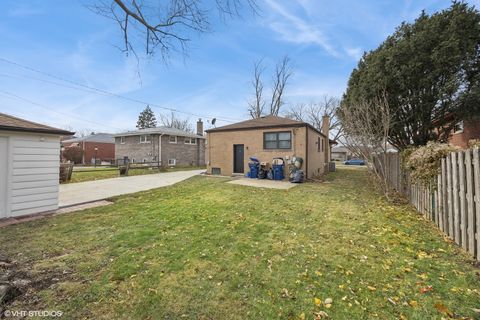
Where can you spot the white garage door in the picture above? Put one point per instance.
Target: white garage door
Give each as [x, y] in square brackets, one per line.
[3, 177]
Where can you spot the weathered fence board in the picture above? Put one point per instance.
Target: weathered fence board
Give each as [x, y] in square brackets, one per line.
[470, 203]
[451, 200]
[476, 175]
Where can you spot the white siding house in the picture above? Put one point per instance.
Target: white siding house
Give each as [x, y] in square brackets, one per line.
[29, 167]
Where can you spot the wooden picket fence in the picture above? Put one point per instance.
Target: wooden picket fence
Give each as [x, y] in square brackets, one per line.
[451, 201]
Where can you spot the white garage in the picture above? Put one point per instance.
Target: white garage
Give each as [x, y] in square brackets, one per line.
[29, 166]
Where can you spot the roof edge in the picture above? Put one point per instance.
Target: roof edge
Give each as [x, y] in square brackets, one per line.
[37, 130]
[293, 125]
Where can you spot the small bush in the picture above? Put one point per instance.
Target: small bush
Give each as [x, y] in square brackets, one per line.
[73, 154]
[425, 162]
[474, 143]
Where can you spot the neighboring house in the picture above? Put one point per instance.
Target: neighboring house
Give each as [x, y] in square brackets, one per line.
[229, 147]
[464, 131]
[340, 154]
[169, 146]
[29, 166]
[100, 146]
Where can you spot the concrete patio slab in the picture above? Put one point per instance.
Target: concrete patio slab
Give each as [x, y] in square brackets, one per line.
[83, 192]
[263, 183]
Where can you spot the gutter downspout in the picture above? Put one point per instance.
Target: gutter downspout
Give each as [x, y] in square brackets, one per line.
[306, 152]
[160, 149]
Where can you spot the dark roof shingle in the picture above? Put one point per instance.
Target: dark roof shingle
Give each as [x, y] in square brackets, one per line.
[11, 123]
[263, 122]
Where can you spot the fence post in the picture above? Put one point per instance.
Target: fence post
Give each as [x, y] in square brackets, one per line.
[439, 203]
[450, 196]
[470, 203]
[463, 215]
[476, 175]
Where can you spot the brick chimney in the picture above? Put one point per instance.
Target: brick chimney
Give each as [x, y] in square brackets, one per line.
[326, 125]
[200, 127]
[326, 131]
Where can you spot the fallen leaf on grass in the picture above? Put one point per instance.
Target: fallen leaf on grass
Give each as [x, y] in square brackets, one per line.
[426, 289]
[441, 308]
[320, 315]
[371, 288]
[317, 301]
[413, 303]
[302, 316]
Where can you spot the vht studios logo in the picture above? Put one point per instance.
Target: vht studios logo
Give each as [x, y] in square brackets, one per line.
[32, 313]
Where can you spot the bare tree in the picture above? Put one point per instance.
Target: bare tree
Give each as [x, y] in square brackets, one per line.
[313, 113]
[257, 105]
[283, 72]
[173, 121]
[366, 126]
[166, 25]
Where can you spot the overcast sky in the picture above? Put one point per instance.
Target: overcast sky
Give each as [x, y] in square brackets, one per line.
[324, 40]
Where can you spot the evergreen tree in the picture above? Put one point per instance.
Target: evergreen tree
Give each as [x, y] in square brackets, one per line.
[429, 70]
[146, 119]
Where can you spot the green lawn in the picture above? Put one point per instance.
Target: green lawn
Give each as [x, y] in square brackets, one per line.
[99, 173]
[205, 249]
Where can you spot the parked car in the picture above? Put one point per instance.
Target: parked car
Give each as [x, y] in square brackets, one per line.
[355, 162]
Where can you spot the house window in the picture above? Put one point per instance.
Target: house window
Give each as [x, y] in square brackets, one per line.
[277, 140]
[172, 162]
[145, 138]
[122, 140]
[172, 139]
[190, 140]
[323, 144]
[318, 144]
[458, 128]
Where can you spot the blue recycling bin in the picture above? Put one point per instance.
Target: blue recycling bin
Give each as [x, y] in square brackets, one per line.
[278, 167]
[254, 166]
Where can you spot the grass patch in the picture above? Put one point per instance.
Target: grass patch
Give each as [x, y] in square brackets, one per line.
[93, 173]
[204, 249]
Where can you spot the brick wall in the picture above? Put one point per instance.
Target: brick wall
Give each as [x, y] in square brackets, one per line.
[106, 151]
[471, 130]
[184, 154]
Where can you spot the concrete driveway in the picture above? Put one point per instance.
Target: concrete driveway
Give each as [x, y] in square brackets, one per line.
[82, 192]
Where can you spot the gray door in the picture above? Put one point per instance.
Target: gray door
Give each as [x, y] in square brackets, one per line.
[238, 158]
[3, 177]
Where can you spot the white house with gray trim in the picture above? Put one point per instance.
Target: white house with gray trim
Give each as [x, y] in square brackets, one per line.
[29, 166]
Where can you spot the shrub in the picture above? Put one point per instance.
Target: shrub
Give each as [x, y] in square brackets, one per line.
[424, 162]
[74, 154]
[474, 143]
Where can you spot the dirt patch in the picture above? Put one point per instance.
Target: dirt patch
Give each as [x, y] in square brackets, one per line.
[20, 285]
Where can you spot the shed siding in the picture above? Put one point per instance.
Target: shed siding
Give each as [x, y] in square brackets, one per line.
[34, 173]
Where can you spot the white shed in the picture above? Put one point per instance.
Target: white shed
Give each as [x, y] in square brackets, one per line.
[29, 166]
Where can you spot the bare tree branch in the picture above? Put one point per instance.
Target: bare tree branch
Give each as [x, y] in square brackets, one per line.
[164, 25]
[366, 126]
[257, 106]
[173, 121]
[313, 113]
[283, 72]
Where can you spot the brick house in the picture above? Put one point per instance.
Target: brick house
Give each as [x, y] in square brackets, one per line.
[229, 147]
[100, 146]
[169, 146]
[464, 131]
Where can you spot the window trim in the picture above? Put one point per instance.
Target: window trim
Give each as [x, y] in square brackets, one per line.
[174, 162]
[190, 139]
[148, 140]
[170, 139]
[460, 124]
[277, 140]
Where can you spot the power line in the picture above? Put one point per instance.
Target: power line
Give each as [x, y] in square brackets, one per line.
[108, 93]
[54, 110]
